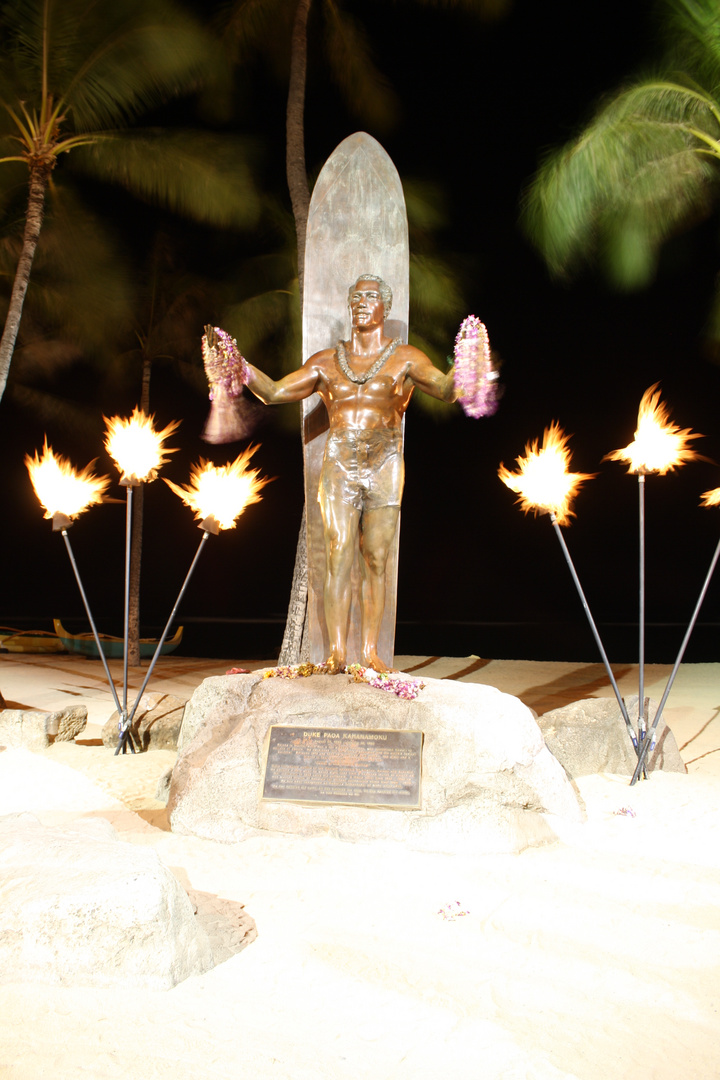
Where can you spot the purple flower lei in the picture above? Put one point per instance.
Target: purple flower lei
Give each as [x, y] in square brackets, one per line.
[225, 367]
[475, 376]
[393, 681]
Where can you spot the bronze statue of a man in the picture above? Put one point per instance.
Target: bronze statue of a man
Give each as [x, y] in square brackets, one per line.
[366, 384]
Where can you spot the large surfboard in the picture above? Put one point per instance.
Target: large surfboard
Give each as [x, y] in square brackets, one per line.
[357, 225]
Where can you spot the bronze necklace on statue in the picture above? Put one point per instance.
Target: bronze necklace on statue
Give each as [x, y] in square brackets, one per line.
[360, 379]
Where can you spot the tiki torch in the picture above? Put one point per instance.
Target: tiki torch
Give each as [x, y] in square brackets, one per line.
[546, 486]
[65, 494]
[709, 498]
[137, 450]
[218, 495]
[659, 446]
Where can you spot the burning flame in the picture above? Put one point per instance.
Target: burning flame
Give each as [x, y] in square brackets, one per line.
[136, 447]
[60, 488]
[543, 483]
[711, 498]
[659, 445]
[222, 491]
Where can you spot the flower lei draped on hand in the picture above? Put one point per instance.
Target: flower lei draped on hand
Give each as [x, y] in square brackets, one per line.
[225, 368]
[475, 375]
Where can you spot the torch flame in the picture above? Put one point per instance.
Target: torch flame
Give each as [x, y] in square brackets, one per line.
[711, 498]
[222, 491]
[60, 488]
[659, 445]
[136, 447]
[543, 482]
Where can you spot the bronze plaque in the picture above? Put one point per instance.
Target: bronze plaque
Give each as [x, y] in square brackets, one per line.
[344, 765]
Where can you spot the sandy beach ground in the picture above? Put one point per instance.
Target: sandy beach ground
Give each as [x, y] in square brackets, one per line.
[596, 957]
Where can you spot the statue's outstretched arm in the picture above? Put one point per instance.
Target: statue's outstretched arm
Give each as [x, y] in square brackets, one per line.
[430, 379]
[293, 387]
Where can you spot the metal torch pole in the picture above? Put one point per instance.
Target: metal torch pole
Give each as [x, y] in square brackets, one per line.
[101, 654]
[641, 615]
[124, 725]
[593, 627]
[126, 734]
[676, 667]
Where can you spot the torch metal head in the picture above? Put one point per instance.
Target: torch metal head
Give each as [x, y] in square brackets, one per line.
[60, 521]
[210, 524]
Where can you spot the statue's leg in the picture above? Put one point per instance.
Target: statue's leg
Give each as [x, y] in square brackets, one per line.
[376, 537]
[341, 522]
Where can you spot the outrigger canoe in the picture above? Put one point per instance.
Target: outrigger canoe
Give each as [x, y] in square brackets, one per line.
[112, 647]
[29, 641]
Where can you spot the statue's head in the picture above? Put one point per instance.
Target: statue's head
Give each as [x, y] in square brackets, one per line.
[383, 288]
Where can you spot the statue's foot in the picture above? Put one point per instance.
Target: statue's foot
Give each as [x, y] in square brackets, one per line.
[373, 661]
[335, 663]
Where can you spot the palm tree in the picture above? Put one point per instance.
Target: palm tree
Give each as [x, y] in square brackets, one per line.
[645, 167]
[73, 76]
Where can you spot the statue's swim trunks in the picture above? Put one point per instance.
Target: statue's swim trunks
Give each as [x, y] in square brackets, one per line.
[363, 469]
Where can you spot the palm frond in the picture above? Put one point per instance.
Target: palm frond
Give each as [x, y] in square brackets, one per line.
[367, 92]
[435, 295]
[80, 287]
[259, 319]
[141, 68]
[249, 26]
[644, 167]
[52, 410]
[106, 62]
[425, 205]
[200, 175]
[692, 33]
[488, 10]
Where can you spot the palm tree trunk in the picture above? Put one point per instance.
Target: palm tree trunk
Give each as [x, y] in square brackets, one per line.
[39, 174]
[136, 539]
[295, 133]
[292, 645]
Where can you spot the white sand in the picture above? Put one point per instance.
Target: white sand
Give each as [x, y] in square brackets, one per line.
[595, 958]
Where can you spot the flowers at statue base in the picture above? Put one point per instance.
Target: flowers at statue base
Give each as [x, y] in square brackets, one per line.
[395, 682]
[296, 671]
[452, 911]
[475, 374]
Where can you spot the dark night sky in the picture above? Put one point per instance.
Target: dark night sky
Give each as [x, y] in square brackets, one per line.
[480, 104]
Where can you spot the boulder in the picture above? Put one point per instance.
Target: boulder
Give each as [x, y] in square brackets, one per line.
[590, 737]
[36, 730]
[489, 783]
[156, 723]
[81, 907]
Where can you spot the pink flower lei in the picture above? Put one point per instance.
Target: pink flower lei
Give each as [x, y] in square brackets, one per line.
[475, 375]
[404, 686]
[225, 367]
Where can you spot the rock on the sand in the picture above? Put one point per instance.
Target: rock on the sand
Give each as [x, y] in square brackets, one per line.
[36, 730]
[590, 737]
[489, 783]
[81, 907]
[156, 723]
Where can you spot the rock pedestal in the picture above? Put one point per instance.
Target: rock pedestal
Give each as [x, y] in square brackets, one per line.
[489, 783]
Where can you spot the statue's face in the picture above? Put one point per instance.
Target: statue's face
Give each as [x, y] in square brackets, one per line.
[366, 306]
